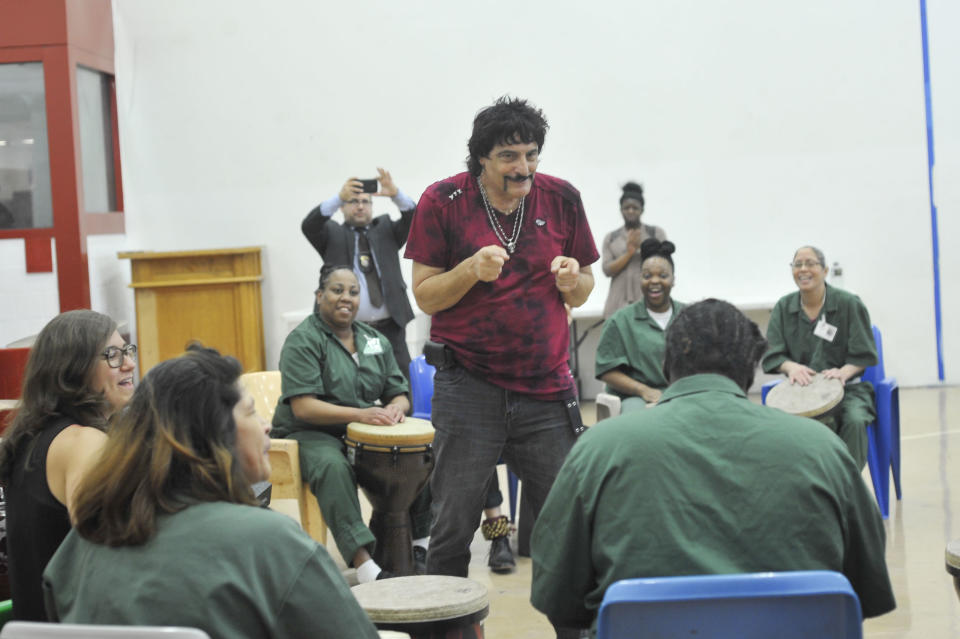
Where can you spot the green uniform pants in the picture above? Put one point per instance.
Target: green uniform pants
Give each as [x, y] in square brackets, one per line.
[333, 481]
[857, 409]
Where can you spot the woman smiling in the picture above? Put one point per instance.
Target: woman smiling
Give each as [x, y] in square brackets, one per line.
[630, 353]
[334, 371]
[822, 329]
[80, 372]
[168, 532]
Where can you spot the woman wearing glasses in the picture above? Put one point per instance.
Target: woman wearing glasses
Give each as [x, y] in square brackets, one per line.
[167, 531]
[822, 329]
[79, 373]
[621, 251]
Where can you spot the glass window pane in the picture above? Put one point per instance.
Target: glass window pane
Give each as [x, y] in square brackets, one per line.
[96, 141]
[25, 200]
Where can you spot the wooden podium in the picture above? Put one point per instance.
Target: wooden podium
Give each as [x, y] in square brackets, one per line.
[212, 296]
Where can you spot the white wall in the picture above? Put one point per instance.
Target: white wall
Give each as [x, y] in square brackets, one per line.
[109, 281]
[944, 20]
[755, 127]
[27, 300]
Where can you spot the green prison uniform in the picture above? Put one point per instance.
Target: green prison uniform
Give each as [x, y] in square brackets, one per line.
[705, 482]
[314, 362]
[233, 571]
[633, 342]
[790, 336]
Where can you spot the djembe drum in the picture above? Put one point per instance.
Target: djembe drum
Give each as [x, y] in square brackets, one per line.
[392, 464]
[820, 399]
[426, 606]
[952, 556]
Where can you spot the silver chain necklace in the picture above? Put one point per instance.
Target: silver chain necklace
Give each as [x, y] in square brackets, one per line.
[511, 244]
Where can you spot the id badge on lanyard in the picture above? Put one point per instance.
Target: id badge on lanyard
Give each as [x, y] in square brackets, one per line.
[823, 330]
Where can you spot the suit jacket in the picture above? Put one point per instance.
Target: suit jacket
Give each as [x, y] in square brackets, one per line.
[335, 243]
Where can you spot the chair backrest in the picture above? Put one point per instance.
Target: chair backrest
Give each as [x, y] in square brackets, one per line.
[37, 630]
[287, 483]
[284, 456]
[421, 386]
[607, 405]
[874, 374]
[786, 605]
[265, 387]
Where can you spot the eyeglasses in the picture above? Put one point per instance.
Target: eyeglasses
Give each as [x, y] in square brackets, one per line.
[808, 263]
[114, 355]
[631, 207]
[356, 202]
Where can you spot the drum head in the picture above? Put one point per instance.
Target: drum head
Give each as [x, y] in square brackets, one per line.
[410, 432]
[953, 557]
[421, 598]
[813, 400]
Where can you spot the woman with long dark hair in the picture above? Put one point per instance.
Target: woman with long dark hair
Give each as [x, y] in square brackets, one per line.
[167, 531]
[79, 373]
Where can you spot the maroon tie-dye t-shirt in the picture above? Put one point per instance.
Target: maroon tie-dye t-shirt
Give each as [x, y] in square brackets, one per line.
[513, 331]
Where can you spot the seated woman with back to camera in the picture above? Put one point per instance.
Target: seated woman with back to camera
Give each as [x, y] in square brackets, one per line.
[79, 373]
[630, 352]
[167, 531]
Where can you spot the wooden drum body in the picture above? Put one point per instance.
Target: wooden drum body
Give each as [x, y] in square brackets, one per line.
[819, 400]
[392, 464]
[426, 606]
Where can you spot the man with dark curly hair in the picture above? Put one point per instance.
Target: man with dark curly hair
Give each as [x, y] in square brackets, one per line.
[497, 251]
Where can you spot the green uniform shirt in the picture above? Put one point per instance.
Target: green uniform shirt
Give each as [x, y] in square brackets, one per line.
[790, 333]
[233, 571]
[314, 362]
[633, 342]
[706, 482]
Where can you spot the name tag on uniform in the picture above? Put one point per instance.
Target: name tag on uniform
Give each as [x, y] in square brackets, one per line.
[374, 347]
[824, 330]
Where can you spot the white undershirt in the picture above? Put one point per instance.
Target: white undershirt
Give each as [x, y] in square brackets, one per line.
[661, 318]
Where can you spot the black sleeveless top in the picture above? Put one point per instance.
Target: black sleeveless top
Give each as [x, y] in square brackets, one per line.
[36, 523]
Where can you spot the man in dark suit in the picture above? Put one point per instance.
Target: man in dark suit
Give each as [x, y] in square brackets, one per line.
[371, 246]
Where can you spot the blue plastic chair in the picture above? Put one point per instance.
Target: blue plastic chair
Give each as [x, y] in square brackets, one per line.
[786, 605]
[883, 435]
[421, 387]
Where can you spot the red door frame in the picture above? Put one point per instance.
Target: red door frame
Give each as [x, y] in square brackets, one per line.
[65, 34]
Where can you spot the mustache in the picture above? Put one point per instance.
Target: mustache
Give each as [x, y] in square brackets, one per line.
[516, 178]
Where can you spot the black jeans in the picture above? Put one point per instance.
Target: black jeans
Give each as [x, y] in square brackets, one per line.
[476, 423]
